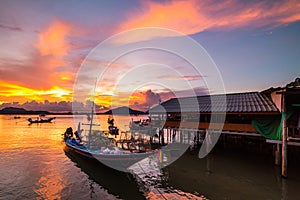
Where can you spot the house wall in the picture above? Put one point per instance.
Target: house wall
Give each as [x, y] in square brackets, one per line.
[276, 98]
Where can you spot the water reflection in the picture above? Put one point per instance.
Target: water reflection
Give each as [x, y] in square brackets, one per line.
[33, 165]
[154, 181]
[228, 175]
[115, 182]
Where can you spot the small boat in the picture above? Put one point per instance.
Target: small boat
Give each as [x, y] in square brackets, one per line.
[142, 126]
[145, 123]
[40, 120]
[98, 146]
[17, 117]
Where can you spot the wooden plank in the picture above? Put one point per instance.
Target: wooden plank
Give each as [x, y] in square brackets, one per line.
[280, 142]
[293, 143]
[242, 133]
[293, 138]
[273, 141]
[206, 125]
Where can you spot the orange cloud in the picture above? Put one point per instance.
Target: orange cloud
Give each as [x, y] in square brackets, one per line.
[52, 41]
[191, 17]
[179, 15]
[46, 73]
[9, 91]
[144, 100]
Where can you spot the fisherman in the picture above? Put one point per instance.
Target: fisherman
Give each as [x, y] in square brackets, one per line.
[110, 121]
[77, 135]
[68, 133]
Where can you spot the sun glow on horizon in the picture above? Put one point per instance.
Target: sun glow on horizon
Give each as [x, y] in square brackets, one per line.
[17, 92]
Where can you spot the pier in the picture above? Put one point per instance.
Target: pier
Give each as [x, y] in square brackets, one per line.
[270, 116]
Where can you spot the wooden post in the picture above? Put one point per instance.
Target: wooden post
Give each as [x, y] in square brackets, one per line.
[277, 154]
[168, 130]
[159, 133]
[284, 140]
[162, 137]
[174, 134]
[180, 136]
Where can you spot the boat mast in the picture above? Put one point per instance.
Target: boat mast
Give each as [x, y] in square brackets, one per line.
[91, 125]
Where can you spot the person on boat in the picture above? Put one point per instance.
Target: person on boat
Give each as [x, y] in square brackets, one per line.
[77, 135]
[68, 133]
[76, 142]
[110, 121]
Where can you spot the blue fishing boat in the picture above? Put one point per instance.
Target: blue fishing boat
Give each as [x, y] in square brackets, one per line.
[97, 145]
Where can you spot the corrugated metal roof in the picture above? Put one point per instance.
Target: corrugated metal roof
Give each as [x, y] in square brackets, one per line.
[238, 102]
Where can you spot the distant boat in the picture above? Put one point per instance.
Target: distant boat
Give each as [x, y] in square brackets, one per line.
[40, 120]
[142, 126]
[140, 123]
[17, 117]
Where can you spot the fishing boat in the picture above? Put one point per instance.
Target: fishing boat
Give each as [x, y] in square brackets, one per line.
[40, 120]
[97, 145]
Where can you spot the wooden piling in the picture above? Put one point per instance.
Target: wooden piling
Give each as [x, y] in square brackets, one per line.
[159, 135]
[284, 140]
[277, 154]
[168, 130]
[162, 137]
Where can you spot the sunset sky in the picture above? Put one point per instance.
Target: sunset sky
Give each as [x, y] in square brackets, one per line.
[255, 45]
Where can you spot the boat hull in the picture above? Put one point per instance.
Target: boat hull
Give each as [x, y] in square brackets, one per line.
[40, 120]
[119, 162]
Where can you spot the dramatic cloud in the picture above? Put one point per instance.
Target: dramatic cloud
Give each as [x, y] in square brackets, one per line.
[45, 72]
[55, 106]
[190, 17]
[52, 40]
[40, 60]
[144, 100]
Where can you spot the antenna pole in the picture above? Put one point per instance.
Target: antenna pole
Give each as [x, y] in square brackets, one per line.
[92, 117]
[91, 125]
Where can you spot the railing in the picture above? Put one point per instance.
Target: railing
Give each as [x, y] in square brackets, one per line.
[294, 132]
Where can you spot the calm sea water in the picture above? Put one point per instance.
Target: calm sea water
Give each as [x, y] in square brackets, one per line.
[34, 165]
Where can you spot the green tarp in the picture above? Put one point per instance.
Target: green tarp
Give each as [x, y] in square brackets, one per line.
[270, 126]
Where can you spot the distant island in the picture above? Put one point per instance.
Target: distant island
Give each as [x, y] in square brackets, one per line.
[118, 111]
[124, 111]
[13, 110]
